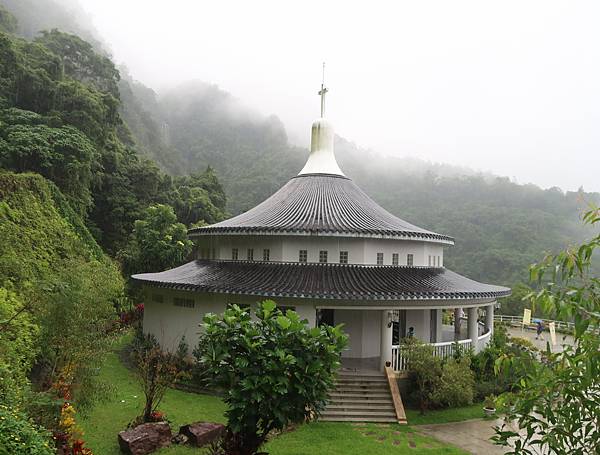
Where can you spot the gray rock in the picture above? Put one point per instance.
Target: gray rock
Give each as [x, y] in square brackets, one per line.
[145, 438]
[202, 433]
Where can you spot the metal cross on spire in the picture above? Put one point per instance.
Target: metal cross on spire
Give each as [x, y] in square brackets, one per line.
[322, 92]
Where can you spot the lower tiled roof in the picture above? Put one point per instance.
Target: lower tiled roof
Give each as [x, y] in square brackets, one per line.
[322, 281]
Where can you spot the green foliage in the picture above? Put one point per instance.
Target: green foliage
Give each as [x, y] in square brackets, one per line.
[556, 404]
[81, 61]
[18, 435]
[76, 312]
[8, 22]
[51, 266]
[18, 347]
[158, 242]
[63, 155]
[274, 370]
[456, 384]
[156, 372]
[425, 371]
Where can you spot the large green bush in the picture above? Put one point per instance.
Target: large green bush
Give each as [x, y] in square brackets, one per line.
[456, 384]
[274, 370]
[18, 435]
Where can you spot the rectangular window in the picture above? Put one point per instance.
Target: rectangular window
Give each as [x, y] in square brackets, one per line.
[409, 260]
[234, 254]
[379, 258]
[429, 260]
[266, 254]
[323, 256]
[439, 261]
[214, 253]
[158, 298]
[302, 256]
[250, 255]
[343, 257]
[284, 308]
[395, 259]
[184, 303]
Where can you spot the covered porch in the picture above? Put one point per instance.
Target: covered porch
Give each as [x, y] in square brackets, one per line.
[375, 335]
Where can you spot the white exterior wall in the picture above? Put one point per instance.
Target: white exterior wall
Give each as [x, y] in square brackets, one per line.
[364, 330]
[420, 320]
[168, 323]
[286, 248]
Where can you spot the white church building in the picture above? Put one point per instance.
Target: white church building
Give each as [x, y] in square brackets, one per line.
[324, 248]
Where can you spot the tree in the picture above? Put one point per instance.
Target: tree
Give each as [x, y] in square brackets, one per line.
[156, 372]
[158, 242]
[425, 371]
[274, 370]
[557, 405]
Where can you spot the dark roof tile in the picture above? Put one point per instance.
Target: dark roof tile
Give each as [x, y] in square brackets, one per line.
[322, 281]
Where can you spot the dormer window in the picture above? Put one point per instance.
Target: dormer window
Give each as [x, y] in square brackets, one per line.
[394, 258]
[302, 256]
[234, 254]
[343, 257]
[410, 259]
[323, 256]
[250, 255]
[379, 258]
[266, 254]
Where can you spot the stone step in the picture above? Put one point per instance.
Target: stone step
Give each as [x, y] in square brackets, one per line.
[362, 379]
[359, 413]
[358, 419]
[353, 389]
[358, 401]
[334, 395]
[363, 406]
[347, 382]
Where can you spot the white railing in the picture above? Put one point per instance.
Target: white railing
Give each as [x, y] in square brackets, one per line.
[518, 320]
[483, 340]
[443, 350]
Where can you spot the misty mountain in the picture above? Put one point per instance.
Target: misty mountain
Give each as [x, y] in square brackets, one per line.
[500, 226]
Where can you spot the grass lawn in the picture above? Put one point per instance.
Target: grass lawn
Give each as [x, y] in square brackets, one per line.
[108, 418]
[474, 411]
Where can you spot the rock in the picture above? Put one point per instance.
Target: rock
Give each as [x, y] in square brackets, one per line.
[180, 439]
[202, 433]
[145, 438]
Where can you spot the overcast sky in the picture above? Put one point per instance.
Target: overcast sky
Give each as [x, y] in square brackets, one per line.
[507, 87]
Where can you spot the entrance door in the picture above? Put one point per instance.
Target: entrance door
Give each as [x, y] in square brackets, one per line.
[399, 328]
[325, 317]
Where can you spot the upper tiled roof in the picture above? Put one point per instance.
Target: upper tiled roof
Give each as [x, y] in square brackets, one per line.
[321, 204]
[322, 281]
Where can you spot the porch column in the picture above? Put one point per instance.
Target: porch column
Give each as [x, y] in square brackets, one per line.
[472, 327]
[457, 321]
[489, 318]
[386, 339]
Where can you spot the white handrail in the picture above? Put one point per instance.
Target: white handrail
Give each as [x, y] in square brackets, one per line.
[444, 350]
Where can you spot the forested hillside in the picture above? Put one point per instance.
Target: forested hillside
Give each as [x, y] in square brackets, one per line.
[500, 227]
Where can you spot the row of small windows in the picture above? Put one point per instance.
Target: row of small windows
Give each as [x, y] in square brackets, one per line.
[434, 261]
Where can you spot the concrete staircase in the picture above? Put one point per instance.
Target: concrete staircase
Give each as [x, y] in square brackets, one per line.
[360, 397]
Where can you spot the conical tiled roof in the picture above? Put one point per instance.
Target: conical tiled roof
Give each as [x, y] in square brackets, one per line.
[323, 204]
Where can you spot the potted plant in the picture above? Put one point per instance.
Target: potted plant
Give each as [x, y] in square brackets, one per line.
[509, 402]
[489, 405]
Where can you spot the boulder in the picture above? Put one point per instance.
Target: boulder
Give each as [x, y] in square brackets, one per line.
[145, 438]
[201, 433]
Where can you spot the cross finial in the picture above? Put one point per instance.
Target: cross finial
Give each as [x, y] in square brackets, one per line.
[322, 92]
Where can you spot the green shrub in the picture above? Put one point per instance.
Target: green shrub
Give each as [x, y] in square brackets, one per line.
[274, 369]
[18, 435]
[425, 372]
[456, 384]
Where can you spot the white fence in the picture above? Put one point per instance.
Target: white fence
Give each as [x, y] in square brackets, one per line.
[518, 320]
[443, 350]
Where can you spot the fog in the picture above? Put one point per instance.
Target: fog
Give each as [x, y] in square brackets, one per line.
[506, 87]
